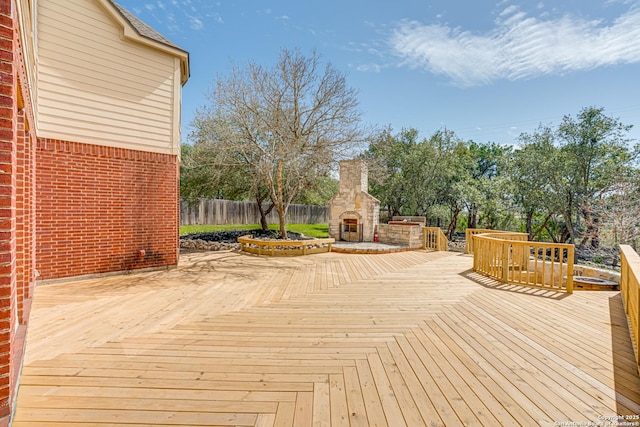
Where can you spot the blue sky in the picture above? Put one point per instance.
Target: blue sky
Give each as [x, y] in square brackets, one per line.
[488, 70]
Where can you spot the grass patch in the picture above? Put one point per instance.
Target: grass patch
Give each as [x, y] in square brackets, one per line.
[320, 231]
[311, 230]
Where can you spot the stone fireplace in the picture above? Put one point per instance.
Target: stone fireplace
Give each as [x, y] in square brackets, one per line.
[353, 213]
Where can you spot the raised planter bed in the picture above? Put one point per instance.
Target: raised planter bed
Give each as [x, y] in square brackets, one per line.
[284, 247]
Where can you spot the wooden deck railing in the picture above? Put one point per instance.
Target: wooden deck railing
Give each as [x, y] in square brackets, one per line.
[434, 239]
[630, 290]
[509, 258]
[284, 247]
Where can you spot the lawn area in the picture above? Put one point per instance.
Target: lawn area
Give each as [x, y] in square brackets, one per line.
[311, 230]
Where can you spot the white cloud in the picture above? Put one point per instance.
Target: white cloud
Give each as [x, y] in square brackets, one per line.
[375, 68]
[519, 47]
[196, 23]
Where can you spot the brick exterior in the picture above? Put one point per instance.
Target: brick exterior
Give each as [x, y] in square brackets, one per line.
[99, 207]
[8, 141]
[17, 208]
[68, 209]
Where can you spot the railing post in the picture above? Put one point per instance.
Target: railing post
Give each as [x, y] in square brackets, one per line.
[424, 238]
[505, 261]
[476, 257]
[570, 255]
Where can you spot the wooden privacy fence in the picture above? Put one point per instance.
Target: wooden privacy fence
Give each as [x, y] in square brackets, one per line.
[629, 288]
[219, 211]
[509, 258]
[434, 239]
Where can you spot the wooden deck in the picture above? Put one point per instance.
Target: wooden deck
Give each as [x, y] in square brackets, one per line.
[410, 338]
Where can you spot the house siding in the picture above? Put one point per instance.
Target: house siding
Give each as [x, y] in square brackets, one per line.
[96, 87]
[98, 207]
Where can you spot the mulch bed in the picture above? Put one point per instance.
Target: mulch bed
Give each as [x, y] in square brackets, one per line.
[232, 236]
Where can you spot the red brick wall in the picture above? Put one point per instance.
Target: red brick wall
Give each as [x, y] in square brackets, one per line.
[8, 136]
[17, 209]
[99, 207]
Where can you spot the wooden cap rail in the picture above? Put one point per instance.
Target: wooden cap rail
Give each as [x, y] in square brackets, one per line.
[509, 258]
[630, 290]
[470, 232]
[284, 247]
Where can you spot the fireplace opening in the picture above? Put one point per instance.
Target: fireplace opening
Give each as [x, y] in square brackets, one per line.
[351, 231]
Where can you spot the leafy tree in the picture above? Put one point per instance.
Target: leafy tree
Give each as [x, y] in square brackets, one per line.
[202, 177]
[401, 172]
[448, 173]
[283, 125]
[413, 176]
[485, 165]
[596, 150]
[386, 158]
[560, 176]
[199, 180]
[540, 181]
[324, 188]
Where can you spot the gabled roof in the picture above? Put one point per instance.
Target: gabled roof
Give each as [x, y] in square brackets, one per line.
[147, 33]
[143, 29]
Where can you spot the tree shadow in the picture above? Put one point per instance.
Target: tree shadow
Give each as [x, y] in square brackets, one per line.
[533, 291]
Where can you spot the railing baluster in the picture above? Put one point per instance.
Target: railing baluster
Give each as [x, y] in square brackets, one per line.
[434, 239]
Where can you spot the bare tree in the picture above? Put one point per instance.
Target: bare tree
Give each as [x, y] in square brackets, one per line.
[287, 124]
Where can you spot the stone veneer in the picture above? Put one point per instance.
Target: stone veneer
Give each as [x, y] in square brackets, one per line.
[397, 234]
[353, 201]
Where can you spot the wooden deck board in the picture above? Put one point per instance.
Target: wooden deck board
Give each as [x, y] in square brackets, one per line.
[526, 389]
[355, 402]
[409, 338]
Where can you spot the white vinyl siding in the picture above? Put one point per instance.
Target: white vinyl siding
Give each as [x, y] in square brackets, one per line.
[26, 10]
[96, 87]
